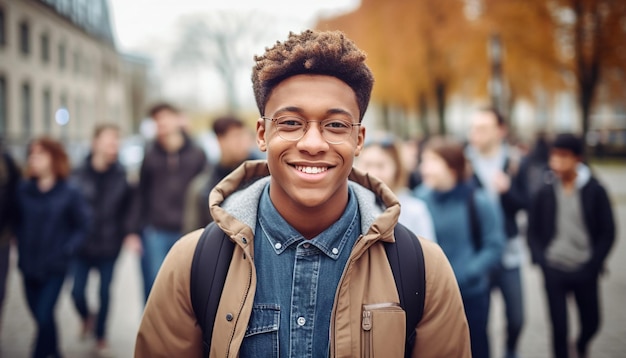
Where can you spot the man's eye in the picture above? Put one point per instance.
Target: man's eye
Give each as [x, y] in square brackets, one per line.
[337, 124]
[291, 122]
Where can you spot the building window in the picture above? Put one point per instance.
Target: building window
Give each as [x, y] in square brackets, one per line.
[27, 101]
[76, 62]
[24, 38]
[62, 56]
[3, 29]
[45, 48]
[47, 111]
[4, 123]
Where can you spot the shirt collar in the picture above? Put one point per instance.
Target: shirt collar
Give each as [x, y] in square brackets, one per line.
[331, 241]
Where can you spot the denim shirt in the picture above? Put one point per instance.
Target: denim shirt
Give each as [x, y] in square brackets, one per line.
[296, 283]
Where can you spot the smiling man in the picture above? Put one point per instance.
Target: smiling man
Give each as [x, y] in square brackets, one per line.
[309, 274]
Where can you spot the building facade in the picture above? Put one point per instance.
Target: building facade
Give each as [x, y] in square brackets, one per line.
[60, 72]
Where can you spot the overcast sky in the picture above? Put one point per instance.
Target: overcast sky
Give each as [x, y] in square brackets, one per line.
[152, 29]
[138, 21]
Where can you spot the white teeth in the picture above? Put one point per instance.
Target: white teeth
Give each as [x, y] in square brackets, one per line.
[311, 170]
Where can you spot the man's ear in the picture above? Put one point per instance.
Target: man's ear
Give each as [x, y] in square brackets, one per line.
[260, 135]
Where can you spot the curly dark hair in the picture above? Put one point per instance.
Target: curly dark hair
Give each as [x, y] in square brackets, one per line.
[328, 53]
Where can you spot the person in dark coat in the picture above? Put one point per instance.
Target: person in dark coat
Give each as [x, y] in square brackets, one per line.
[9, 180]
[102, 181]
[571, 230]
[53, 219]
[235, 143]
[168, 167]
[497, 169]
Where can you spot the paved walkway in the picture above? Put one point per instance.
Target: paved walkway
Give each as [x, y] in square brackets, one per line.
[17, 328]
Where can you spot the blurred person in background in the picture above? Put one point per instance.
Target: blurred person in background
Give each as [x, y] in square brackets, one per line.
[497, 170]
[535, 165]
[168, 167]
[102, 181]
[9, 180]
[235, 143]
[382, 159]
[570, 233]
[413, 157]
[53, 219]
[448, 196]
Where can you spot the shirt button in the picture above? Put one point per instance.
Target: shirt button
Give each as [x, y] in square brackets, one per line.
[278, 245]
[229, 317]
[306, 246]
[335, 251]
[301, 321]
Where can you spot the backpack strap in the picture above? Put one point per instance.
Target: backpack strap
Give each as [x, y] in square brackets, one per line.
[208, 275]
[407, 264]
[477, 239]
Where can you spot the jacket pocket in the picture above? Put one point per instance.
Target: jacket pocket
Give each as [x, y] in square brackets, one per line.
[261, 338]
[383, 327]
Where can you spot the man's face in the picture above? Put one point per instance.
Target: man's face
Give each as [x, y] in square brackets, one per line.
[484, 131]
[379, 163]
[563, 162]
[167, 123]
[236, 143]
[435, 171]
[310, 173]
[107, 143]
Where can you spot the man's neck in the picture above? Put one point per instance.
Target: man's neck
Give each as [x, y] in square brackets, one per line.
[45, 182]
[568, 181]
[173, 142]
[490, 151]
[310, 222]
[99, 163]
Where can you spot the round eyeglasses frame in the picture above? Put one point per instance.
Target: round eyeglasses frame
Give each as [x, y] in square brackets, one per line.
[283, 134]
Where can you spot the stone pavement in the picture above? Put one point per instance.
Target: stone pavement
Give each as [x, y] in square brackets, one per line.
[17, 328]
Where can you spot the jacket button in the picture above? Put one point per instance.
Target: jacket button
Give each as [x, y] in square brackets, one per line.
[244, 240]
[229, 317]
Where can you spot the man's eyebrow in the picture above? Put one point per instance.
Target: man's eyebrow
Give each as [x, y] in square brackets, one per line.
[288, 109]
[300, 111]
[338, 111]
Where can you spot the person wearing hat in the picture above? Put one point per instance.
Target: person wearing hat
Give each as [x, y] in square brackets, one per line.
[570, 233]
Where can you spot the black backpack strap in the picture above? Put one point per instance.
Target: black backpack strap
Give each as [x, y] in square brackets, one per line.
[407, 264]
[477, 239]
[208, 275]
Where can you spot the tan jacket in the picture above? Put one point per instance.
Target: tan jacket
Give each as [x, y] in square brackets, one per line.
[169, 327]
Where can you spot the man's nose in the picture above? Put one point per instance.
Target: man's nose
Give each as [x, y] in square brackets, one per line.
[313, 140]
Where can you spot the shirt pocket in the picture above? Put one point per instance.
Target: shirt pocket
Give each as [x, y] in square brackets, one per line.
[261, 338]
[383, 327]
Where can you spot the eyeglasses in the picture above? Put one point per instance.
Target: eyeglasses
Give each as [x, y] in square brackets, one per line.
[292, 128]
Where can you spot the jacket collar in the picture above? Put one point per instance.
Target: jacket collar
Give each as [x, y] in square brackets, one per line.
[233, 202]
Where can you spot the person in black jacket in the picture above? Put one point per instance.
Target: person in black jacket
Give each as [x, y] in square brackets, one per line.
[9, 180]
[497, 169]
[168, 167]
[102, 181]
[235, 143]
[570, 233]
[53, 219]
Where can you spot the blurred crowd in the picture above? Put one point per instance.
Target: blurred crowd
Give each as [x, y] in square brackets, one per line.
[485, 201]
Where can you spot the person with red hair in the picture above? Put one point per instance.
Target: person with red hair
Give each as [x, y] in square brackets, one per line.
[52, 222]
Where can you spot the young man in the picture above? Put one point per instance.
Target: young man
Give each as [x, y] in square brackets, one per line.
[235, 142]
[570, 233]
[169, 165]
[102, 181]
[309, 266]
[498, 171]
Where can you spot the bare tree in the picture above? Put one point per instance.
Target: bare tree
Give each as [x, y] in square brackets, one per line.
[222, 41]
